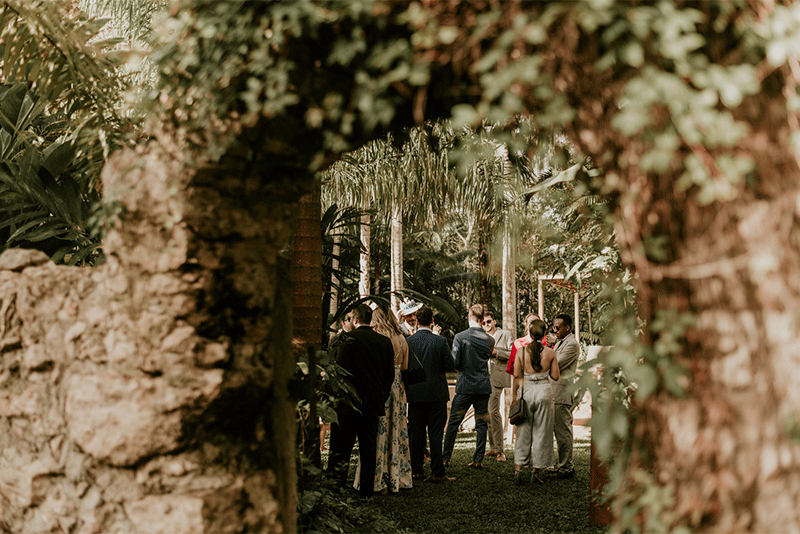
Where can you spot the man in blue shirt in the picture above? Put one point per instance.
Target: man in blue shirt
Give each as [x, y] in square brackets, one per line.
[472, 350]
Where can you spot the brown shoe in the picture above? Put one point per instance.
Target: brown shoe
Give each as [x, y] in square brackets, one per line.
[443, 478]
[475, 465]
[501, 457]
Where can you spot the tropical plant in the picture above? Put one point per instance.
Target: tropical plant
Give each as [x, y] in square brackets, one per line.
[399, 186]
[130, 19]
[58, 124]
[341, 250]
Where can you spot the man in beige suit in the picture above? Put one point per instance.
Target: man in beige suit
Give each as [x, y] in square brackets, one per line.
[500, 380]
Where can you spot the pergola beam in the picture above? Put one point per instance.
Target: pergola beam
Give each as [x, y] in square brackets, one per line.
[540, 291]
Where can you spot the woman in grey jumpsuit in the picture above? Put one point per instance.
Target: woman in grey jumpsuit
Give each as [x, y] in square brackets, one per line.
[532, 370]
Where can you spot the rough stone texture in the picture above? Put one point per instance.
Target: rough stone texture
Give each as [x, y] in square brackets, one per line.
[132, 394]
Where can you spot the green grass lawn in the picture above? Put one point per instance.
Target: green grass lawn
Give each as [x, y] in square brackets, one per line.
[486, 501]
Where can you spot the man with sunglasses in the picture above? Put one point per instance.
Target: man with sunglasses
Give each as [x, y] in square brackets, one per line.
[500, 381]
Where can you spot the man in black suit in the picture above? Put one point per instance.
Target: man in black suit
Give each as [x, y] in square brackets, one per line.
[369, 357]
[427, 401]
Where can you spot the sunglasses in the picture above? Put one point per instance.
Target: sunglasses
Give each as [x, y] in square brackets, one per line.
[488, 322]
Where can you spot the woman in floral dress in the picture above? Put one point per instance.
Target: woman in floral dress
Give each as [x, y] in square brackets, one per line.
[393, 468]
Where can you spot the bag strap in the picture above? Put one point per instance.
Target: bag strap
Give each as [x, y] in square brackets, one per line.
[523, 372]
[415, 355]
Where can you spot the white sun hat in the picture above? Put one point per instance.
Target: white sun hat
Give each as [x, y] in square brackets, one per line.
[407, 307]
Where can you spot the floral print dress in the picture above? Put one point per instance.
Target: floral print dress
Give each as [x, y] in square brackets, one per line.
[393, 458]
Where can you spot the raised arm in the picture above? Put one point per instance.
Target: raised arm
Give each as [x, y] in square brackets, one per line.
[503, 346]
[568, 355]
[512, 358]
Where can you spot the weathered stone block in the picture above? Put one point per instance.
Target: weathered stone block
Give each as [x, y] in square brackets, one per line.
[122, 419]
[167, 514]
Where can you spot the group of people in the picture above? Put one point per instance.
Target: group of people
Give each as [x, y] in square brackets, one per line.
[393, 419]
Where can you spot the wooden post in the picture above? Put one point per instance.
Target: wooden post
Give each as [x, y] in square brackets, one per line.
[541, 298]
[577, 316]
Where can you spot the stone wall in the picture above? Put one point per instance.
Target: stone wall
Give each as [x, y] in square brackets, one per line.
[122, 408]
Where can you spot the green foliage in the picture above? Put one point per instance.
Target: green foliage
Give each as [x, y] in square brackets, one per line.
[333, 385]
[47, 47]
[322, 507]
[319, 67]
[58, 123]
[133, 18]
[340, 228]
[44, 199]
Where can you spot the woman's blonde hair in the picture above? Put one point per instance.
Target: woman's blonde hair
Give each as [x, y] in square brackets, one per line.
[385, 323]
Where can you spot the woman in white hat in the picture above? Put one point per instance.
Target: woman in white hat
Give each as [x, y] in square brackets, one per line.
[407, 316]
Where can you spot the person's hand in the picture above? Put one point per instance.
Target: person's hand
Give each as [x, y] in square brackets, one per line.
[436, 329]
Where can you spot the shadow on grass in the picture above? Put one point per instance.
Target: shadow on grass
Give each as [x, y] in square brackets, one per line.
[486, 501]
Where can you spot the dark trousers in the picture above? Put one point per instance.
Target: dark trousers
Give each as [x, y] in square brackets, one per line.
[353, 425]
[431, 416]
[458, 410]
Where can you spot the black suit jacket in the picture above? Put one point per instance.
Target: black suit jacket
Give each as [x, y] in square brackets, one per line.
[369, 357]
[434, 353]
[472, 349]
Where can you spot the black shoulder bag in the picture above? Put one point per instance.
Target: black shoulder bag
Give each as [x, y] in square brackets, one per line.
[414, 375]
[518, 412]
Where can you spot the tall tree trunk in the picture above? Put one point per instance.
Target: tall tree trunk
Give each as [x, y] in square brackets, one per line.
[334, 303]
[397, 255]
[484, 285]
[307, 305]
[727, 449]
[307, 271]
[726, 438]
[364, 272]
[509, 278]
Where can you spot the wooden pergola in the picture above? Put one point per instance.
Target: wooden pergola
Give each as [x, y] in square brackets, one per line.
[558, 279]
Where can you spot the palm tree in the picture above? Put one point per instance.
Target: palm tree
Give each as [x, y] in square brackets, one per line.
[130, 19]
[398, 187]
[353, 182]
[480, 195]
[417, 192]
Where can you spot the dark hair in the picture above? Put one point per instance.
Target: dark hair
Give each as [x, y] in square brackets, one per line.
[566, 318]
[488, 313]
[364, 314]
[425, 316]
[536, 331]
